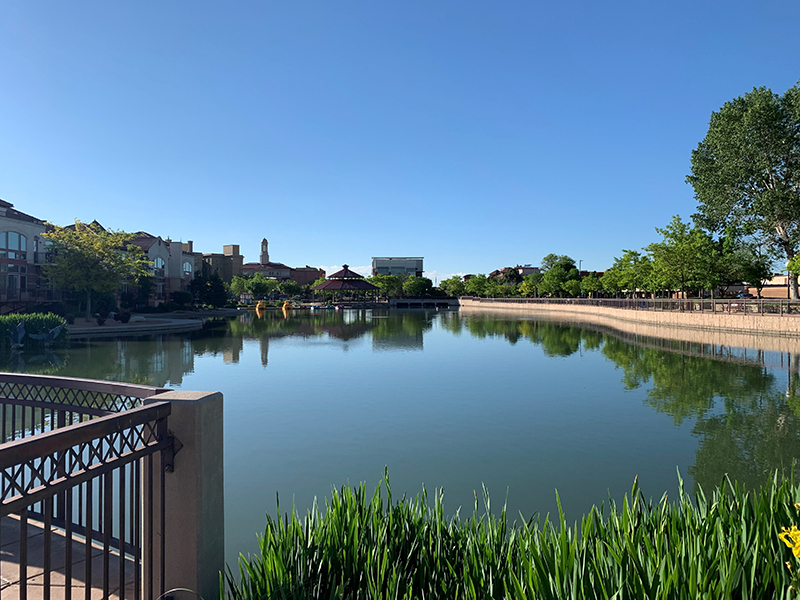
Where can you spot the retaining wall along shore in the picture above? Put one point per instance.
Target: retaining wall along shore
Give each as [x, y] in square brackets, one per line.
[701, 327]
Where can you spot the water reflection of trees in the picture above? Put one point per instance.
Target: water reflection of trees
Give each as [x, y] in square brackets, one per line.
[163, 360]
[747, 421]
[746, 417]
[403, 330]
[151, 360]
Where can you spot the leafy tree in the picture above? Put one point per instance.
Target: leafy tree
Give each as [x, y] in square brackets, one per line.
[181, 297]
[530, 285]
[240, 285]
[198, 286]
[453, 286]
[476, 285]
[743, 258]
[512, 277]
[290, 288]
[495, 289]
[553, 281]
[590, 285]
[747, 169]
[259, 285]
[417, 286]
[611, 281]
[217, 292]
[556, 260]
[680, 260]
[144, 287]
[572, 287]
[88, 258]
[631, 271]
[389, 285]
[210, 289]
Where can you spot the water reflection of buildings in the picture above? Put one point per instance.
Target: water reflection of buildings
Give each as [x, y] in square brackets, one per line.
[398, 332]
[233, 351]
[263, 346]
[159, 361]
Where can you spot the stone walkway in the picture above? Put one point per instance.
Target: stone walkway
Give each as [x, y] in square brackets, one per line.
[10, 569]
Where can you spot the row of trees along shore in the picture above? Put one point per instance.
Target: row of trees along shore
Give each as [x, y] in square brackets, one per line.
[389, 286]
[686, 260]
[746, 179]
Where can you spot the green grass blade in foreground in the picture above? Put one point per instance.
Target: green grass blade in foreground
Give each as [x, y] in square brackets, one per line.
[720, 545]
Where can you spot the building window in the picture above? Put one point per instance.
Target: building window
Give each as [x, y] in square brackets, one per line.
[188, 269]
[13, 245]
[158, 273]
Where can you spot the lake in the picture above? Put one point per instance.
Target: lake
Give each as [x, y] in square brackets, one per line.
[522, 406]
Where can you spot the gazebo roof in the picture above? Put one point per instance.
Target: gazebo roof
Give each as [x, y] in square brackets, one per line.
[346, 273]
[345, 280]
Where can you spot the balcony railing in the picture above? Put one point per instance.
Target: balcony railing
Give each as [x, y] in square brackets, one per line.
[85, 499]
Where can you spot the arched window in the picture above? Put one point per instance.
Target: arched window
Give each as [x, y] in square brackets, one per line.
[188, 269]
[14, 245]
[158, 263]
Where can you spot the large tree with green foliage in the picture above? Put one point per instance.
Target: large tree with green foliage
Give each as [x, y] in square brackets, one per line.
[417, 286]
[611, 281]
[88, 258]
[210, 290]
[559, 276]
[389, 285]
[590, 284]
[476, 285]
[747, 169]
[683, 260]
[453, 286]
[530, 285]
[557, 260]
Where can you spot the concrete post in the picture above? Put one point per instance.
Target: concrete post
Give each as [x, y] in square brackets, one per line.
[195, 515]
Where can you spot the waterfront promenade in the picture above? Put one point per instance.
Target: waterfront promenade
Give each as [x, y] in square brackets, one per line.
[745, 317]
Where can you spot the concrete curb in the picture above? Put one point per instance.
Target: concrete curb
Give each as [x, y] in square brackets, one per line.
[144, 328]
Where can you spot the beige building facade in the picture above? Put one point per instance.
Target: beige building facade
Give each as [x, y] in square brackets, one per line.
[22, 252]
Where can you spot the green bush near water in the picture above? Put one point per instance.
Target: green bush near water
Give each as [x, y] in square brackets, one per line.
[722, 546]
[34, 323]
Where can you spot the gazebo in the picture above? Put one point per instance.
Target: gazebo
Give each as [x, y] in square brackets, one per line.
[345, 281]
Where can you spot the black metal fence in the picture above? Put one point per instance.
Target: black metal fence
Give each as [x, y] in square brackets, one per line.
[740, 306]
[82, 468]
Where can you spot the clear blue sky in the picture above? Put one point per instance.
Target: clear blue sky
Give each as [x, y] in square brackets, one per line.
[475, 134]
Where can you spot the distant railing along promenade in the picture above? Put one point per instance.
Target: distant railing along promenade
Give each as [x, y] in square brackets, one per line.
[751, 316]
[740, 306]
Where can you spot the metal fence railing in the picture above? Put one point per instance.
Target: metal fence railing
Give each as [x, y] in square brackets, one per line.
[740, 306]
[80, 465]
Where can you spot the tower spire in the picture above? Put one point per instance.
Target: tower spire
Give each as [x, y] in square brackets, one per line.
[264, 258]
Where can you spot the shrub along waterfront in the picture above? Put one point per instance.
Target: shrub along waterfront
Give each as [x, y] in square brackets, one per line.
[725, 545]
[35, 323]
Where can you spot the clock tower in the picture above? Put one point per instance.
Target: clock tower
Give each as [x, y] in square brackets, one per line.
[264, 251]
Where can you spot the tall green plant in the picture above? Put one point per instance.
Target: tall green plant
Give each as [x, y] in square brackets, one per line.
[725, 545]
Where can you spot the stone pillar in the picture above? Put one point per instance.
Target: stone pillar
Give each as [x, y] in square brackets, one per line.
[195, 515]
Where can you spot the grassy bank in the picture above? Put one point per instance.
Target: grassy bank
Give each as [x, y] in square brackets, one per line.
[724, 545]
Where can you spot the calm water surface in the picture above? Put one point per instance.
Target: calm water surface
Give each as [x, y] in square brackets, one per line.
[522, 406]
